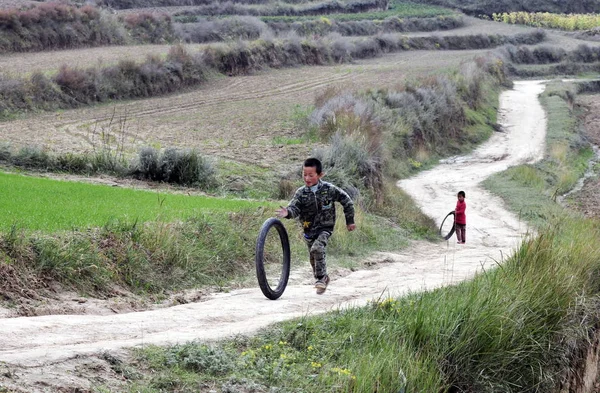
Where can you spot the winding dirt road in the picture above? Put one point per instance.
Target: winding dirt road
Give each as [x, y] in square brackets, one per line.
[492, 233]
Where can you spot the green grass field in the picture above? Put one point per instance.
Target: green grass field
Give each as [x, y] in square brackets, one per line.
[49, 205]
[396, 8]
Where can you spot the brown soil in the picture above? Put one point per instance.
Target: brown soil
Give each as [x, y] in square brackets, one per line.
[587, 200]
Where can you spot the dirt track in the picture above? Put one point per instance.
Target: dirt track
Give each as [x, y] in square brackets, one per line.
[38, 344]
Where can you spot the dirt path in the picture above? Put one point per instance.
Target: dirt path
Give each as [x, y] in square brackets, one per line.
[492, 232]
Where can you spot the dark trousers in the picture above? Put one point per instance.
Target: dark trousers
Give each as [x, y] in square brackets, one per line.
[461, 232]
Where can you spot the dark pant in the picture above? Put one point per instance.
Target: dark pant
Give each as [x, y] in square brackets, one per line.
[461, 232]
[316, 249]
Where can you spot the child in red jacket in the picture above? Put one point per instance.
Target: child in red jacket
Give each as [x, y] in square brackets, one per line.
[460, 219]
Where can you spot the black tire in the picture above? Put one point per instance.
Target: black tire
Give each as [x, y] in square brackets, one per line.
[259, 259]
[450, 232]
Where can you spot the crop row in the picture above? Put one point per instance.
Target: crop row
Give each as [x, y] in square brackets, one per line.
[568, 22]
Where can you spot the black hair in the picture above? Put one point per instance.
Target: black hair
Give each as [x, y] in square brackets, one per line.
[315, 163]
[461, 193]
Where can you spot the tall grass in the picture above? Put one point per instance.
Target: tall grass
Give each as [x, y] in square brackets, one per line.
[515, 328]
[142, 256]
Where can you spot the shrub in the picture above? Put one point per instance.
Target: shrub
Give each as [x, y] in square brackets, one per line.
[539, 55]
[56, 25]
[32, 157]
[185, 167]
[148, 27]
[232, 28]
[585, 53]
[349, 164]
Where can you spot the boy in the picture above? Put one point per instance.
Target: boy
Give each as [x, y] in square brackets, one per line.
[313, 205]
[460, 219]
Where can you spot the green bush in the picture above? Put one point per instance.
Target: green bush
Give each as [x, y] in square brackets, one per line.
[185, 167]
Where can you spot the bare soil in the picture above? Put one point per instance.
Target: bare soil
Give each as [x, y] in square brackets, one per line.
[587, 200]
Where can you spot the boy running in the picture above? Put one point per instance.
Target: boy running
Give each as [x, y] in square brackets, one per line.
[313, 205]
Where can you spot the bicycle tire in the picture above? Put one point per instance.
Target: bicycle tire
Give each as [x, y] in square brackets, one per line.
[261, 274]
[451, 232]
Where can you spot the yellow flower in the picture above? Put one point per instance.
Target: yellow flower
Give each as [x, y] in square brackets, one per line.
[316, 364]
[310, 348]
[267, 347]
[341, 371]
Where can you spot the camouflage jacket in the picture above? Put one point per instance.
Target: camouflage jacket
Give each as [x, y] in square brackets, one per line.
[316, 210]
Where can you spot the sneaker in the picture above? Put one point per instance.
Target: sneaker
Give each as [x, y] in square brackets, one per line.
[321, 285]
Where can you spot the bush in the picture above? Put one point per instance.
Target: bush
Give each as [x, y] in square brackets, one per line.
[539, 55]
[150, 28]
[56, 25]
[185, 167]
[32, 158]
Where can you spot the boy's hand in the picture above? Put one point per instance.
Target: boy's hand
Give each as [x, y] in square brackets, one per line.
[351, 227]
[281, 212]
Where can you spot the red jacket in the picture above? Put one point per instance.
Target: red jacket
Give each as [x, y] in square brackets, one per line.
[459, 213]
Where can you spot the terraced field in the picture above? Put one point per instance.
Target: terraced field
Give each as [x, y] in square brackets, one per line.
[238, 118]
